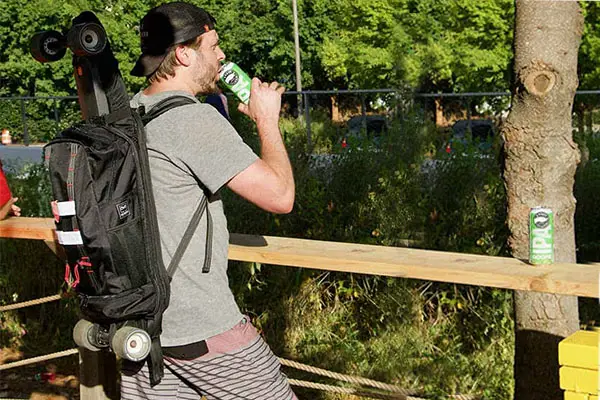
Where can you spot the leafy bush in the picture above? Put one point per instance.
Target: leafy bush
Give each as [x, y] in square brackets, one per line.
[436, 337]
[442, 338]
[29, 270]
[587, 216]
[43, 118]
[32, 187]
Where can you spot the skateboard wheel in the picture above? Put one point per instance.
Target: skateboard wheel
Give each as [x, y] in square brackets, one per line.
[87, 39]
[48, 46]
[83, 335]
[131, 343]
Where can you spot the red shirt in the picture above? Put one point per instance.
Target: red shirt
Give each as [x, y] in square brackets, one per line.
[4, 190]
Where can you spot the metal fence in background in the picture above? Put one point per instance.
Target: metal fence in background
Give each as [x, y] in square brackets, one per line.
[38, 119]
[441, 108]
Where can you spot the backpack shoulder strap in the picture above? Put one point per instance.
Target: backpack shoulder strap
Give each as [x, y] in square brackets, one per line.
[162, 107]
[187, 237]
[159, 109]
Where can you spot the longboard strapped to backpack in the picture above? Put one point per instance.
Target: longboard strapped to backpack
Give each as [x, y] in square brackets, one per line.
[104, 207]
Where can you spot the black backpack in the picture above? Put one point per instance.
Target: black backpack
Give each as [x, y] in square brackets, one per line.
[106, 222]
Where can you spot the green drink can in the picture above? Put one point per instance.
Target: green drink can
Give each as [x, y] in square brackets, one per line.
[541, 236]
[236, 80]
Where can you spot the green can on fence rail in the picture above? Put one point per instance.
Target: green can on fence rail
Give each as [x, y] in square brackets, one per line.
[236, 80]
[541, 236]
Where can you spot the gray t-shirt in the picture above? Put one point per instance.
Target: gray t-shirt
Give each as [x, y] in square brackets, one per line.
[187, 142]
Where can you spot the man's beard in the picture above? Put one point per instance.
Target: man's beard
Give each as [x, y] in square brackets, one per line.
[205, 79]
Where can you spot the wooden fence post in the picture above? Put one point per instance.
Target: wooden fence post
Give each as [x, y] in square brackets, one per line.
[97, 375]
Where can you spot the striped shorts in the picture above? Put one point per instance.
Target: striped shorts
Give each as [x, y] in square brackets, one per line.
[239, 365]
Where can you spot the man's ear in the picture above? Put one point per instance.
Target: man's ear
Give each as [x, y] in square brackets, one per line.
[182, 53]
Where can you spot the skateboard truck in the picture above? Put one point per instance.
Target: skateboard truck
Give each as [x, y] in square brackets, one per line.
[127, 342]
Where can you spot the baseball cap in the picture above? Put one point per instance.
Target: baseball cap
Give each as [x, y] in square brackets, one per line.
[165, 26]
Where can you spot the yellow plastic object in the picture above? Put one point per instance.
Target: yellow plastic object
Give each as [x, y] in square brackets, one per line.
[579, 396]
[579, 380]
[580, 350]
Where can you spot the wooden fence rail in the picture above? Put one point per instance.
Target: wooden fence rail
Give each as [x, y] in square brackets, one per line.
[499, 272]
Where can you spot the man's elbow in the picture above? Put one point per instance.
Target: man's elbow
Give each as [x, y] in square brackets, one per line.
[284, 204]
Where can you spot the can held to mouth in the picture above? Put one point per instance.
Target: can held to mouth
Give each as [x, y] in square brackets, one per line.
[236, 80]
[541, 236]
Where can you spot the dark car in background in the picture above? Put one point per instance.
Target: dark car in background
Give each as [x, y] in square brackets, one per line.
[361, 128]
[474, 138]
[478, 132]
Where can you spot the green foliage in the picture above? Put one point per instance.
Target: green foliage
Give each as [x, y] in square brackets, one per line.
[32, 187]
[359, 54]
[439, 338]
[431, 45]
[29, 270]
[587, 215]
[435, 337]
[473, 218]
[589, 72]
[361, 44]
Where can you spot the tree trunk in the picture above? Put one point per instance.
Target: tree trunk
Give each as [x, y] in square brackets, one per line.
[335, 109]
[440, 119]
[541, 159]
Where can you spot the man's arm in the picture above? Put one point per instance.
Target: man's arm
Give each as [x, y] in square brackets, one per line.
[268, 182]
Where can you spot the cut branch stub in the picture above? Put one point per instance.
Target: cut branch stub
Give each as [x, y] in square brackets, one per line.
[540, 83]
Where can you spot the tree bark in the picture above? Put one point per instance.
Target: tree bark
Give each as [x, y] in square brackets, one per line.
[540, 164]
[335, 109]
[440, 118]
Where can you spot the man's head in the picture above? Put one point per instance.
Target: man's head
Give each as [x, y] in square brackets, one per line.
[175, 35]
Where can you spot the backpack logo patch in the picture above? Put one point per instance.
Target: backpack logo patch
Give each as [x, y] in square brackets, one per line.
[123, 210]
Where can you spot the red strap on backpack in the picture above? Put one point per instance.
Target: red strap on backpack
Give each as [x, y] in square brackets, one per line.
[5, 194]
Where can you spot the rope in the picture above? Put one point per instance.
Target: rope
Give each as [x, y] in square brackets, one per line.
[465, 397]
[399, 393]
[355, 392]
[30, 303]
[347, 378]
[34, 360]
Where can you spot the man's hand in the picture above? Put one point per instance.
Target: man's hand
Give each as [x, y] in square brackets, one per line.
[10, 207]
[265, 102]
